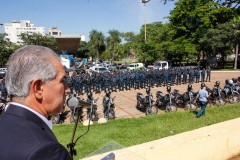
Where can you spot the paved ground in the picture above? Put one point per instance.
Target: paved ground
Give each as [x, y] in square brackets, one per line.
[125, 101]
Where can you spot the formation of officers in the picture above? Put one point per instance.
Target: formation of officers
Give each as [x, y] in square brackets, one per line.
[113, 81]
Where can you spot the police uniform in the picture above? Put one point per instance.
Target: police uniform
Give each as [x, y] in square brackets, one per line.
[203, 74]
[208, 74]
[197, 75]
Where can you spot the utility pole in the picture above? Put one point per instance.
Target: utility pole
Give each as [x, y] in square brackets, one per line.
[145, 28]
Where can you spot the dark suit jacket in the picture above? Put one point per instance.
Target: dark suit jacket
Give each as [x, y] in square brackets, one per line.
[25, 136]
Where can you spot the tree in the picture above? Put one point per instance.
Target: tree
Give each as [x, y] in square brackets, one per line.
[83, 49]
[236, 26]
[113, 40]
[128, 36]
[97, 40]
[192, 18]
[219, 40]
[30, 38]
[6, 49]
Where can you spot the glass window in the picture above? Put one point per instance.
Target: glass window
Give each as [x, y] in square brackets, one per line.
[164, 64]
[54, 33]
[158, 64]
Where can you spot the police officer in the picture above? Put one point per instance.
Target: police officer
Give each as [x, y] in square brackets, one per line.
[208, 74]
[173, 76]
[132, 78]
[88, 83]
[137, 81]
[197, 75]
[202, 96]
[121, 83]
[97, 84]
[114, 83]
[107, 83]
[151, 80]
[191, 75]
[185, 73]
[4, 91]
[159, 78]
[203, 74]
[165, 77]
[179, 76]
[128, 82]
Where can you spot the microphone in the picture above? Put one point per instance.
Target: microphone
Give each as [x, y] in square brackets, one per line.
[76, 102]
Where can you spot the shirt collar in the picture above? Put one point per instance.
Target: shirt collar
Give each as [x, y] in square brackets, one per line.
[33, 111]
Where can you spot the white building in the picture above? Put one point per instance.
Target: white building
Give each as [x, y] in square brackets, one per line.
[82, 37]
[14, 29]
[54, 31]
[57, 33]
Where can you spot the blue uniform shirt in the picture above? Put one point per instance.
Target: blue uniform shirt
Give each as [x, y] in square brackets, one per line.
[202, 95]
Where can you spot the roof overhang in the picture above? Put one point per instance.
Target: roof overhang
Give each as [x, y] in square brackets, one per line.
[68, 43]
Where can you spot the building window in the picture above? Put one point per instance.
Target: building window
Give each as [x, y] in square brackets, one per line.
[54, 33]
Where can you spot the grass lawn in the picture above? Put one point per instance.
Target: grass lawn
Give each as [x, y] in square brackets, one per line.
[132, 131]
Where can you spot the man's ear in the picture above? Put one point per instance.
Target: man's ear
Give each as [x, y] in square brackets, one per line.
[36, 88]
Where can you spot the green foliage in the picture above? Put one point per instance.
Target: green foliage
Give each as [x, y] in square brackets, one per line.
[219, 40]
[83, 49]
[132, 131]
[30, 38]
[191, 18]
[128, 36]
[113, 40]
[6, 49]
[97, 41]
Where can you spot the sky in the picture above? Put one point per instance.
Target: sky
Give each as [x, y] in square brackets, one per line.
[76, 17]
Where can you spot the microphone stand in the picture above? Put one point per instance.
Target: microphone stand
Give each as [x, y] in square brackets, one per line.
[71, 145]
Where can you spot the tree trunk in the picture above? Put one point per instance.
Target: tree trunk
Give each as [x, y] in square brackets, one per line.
[236, 57]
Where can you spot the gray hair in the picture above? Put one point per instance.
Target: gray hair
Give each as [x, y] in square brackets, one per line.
[25, 65]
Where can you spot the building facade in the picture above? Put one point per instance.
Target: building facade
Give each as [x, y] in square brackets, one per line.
[14, 29]
[54, 31]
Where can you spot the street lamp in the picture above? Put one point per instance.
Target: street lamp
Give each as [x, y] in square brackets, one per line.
[145, 1]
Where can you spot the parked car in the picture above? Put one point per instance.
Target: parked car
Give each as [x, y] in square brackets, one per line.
[3, 72]
[122, 68]
[99, 69]
[112, 67]
[135, 66]
[88, 65]
[106, 64]
[150, 67]
[98, 64]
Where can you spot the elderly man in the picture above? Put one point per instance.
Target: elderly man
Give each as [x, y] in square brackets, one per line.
[36, 84]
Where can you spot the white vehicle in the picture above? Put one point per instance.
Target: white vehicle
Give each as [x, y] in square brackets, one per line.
[150, 67]
[106, 64]
[161, 65]
[99, 69]
[135, 66]
[92, 67]
[98, 63]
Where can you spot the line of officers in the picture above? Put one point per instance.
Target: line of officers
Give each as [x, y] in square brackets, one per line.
[96, 82]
